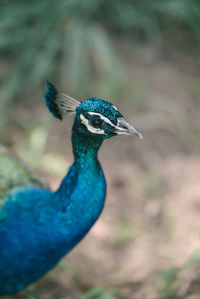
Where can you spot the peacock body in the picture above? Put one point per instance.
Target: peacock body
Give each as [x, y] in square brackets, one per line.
[37, 226]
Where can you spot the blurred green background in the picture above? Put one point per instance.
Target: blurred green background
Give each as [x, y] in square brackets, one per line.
[144, 56]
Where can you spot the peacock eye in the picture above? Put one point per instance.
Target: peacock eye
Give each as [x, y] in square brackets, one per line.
[96, 122]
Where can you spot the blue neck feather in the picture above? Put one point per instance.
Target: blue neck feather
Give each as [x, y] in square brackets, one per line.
[85, 172]
[85, 148]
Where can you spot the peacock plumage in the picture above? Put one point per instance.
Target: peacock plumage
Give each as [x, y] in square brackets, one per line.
[37, 226]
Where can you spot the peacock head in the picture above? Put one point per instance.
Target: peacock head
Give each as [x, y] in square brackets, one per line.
[94, 117]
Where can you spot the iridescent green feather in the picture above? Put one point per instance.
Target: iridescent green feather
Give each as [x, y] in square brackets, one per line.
[13, 173]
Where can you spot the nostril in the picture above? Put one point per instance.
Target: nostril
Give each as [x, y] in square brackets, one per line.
[122, 124]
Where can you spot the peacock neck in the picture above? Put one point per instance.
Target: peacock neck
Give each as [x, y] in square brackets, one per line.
[83, 174]
[81, 194]
[85, 149]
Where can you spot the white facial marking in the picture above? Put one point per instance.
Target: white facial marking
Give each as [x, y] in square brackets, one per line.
[105, 119]
[109, 122]
[127, 129]
[114, 107]
[89, 127]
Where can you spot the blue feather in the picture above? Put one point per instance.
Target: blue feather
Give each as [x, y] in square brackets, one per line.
[50, 98]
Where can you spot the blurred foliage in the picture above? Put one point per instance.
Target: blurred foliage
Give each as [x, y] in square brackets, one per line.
[173, 278]
[34, 152]
[73, 41]
[99, 293]
[170, 282]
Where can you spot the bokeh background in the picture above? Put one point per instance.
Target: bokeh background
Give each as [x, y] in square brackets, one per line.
[144, 57]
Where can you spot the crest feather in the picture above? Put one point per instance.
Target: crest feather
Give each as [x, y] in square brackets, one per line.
[58, 102]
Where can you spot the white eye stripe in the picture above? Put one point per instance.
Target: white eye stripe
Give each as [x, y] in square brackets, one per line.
[105, 119]
[89, 127]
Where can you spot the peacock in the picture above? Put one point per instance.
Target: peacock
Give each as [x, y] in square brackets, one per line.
[37, 226]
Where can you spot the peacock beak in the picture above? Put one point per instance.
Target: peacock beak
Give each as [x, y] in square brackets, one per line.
[123, 127]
